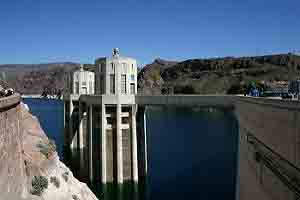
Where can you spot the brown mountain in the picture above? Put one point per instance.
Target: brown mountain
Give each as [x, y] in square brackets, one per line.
[216, 75]
[201, 76]
[36, 78]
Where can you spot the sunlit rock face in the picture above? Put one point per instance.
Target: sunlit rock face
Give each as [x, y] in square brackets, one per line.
[12, 169]
[25, 153]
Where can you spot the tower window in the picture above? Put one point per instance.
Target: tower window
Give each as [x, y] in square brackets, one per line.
[112, 67]
[76, 87]
[123, 83]
[124, 66]
[101, 84]
[91, 87]
[101, 67]
[112, 84]
[132, 77]
[132, 88]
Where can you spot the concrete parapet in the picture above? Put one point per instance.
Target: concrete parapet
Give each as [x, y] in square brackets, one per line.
[275, 124]
[10, 101]
[187, 100]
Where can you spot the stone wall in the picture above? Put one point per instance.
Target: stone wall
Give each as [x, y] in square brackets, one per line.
[12, 172]
[269, 132]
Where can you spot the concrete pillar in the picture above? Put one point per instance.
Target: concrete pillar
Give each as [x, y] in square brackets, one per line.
[103, 144]
[80, 129]
[64, 114]
[71, 123]
[80, 82]
[82, 164]
[119, 145]
[90, 142]
[118, 77]
[107, 82]
[142, 141]
[134, 144]
[297, 138]
[145, 142]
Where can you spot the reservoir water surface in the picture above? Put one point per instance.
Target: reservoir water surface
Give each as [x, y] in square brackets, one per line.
[192, 153]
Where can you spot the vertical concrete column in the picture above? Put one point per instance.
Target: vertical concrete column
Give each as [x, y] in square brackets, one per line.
[90, 142]
[134, 144]
[142, 141]
[107, 84]
[103, 144]
[64, 114]
[119, 145]
[118, 78]
[80, 83]
[80, 129]
[71, 123]
[145, 141]
[297, 138]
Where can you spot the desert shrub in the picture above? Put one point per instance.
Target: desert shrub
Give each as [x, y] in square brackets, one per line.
[65, 176]
[55, 181]
[185, 89]
[155, 75]
[237, 89]
[47, 149]
[39, 184]
[75, 197]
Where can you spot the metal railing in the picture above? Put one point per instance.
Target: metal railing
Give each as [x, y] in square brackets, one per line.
[283, 169]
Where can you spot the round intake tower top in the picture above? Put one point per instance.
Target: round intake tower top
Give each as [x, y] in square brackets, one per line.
[116, 52]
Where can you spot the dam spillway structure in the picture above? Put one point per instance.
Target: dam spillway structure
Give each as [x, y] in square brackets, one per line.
[100, 113]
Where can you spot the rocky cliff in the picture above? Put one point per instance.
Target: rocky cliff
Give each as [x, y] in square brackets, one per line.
[29, 165]
[36, 78]
[200, 76]
[216, 75]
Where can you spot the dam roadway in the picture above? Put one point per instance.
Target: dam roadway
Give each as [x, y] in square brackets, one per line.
[176, 100]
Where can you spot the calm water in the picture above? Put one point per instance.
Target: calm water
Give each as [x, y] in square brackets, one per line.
[192, 153]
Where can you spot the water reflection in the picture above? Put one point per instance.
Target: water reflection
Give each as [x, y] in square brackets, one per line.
[76, 160]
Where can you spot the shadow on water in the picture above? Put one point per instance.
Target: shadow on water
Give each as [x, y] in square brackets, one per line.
[192, 154]
[76, 160]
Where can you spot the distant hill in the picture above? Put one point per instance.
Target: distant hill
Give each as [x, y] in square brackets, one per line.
[36, 78]
[200, 76]
[216, 75]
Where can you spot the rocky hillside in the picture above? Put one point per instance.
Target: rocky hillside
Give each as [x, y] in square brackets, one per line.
[29, 165]
[36, 79]
[201, 76]
[217, 75]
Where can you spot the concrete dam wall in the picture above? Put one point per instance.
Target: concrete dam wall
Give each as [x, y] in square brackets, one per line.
[269, 141]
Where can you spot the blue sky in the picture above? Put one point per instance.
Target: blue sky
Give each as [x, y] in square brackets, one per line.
[40, 31]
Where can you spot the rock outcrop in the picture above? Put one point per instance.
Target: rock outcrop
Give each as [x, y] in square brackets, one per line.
[226, 75]
[149, 78]
[37, 78]
[29, 165]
